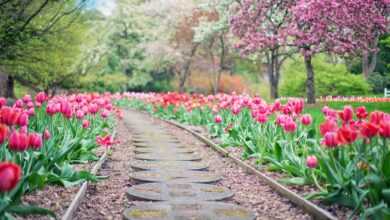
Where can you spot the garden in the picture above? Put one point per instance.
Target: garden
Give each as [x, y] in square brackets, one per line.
[248, 109]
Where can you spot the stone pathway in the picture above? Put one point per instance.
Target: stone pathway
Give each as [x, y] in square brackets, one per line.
[173, 176]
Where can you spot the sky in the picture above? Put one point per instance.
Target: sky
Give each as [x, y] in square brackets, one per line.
[106, 7]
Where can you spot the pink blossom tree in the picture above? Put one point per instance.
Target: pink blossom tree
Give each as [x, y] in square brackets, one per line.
[260, 26]
[311, 26]
[335, 26]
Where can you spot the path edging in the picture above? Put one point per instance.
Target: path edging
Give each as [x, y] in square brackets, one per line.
[83, 189]
[311, 208]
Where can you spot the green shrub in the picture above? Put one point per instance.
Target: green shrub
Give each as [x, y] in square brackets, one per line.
[379, 82]
[330, 79]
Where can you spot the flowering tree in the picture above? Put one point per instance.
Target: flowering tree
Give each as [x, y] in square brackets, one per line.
[311, 26]
[340, 27]
[260, 27]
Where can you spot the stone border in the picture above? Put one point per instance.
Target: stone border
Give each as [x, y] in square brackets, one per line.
[76, 201]
[314, 210]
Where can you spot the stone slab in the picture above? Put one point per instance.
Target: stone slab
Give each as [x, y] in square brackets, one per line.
[167, 156]
[187, 211]
[178, 192]
[158, 165]
[176, 176]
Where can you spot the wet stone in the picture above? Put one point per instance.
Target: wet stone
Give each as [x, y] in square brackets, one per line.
[187, 211]
[156, 165]
[177, 176]
[178, 192]
[167, 156]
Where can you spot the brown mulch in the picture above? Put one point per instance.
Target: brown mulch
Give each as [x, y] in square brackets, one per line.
[107, 198]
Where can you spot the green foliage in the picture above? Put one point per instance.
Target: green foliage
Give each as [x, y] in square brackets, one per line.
[330, 79]
[379, 82]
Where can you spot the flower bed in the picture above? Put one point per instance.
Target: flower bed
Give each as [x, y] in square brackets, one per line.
[40, 141]
[346, 157]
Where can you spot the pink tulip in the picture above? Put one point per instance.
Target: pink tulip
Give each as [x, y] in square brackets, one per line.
[46, 134]
[3, 101]
[18, 141]
[311, 161]
[35, 141]
[306, 119]
[218, 119]
[85, 123]
[23, 119]
[289, 126]
[79, 114]
[40, 97]
[330, 139]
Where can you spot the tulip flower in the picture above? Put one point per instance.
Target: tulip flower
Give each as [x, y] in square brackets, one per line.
[261, 118]
[361, 112]
[40, 97]
[346, 135]
[26, 99]
[18, 103]
[328, 126]
[46, 134]
[23, 119]
[384, 129]
[105, 113]
[35, 141]
[18, 141]
[330, 139]
[79, 114]
[218, 119]
[3, 101]
[347, 114]
[369, 130]
[85, 123]
[376, 117]
[289, 126]
[10, 174]
[9, 116]
[106, 141]
[311, 161]
[306, 119]
[3, 133]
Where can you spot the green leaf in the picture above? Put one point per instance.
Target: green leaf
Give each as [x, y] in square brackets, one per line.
[293, 181]
[386, 195]
[30, 210]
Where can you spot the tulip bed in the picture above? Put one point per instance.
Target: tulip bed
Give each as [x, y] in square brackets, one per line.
[41, 139]
[345, 154]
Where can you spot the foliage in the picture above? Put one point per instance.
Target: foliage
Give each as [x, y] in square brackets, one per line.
[379, 82]
[332, 78]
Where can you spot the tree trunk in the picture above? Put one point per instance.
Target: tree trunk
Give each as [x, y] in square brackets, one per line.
[369, 61]
[3, 85]
[310, 87]
[10, 87]
[273, 73]
[186, 69]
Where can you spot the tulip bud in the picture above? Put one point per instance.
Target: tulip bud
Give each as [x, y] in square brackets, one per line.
[384, 129]
[3, 101]
[46, 134]
[79, 114]
[23, 119]
[40, 97]
[218, 119]
[361, 112]
[10, 174]
[330, 139]
[85, 123]
[289, 126]
[312, 161]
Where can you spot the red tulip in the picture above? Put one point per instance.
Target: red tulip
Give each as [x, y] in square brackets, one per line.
[368, 129]
[18, 141]
[3, 133]
[376, 117]
[218, 119]
[306, 119]
[261, 118]
[330, 139]
[328, 126]
[10, 175]
[66, 109]
[311, 161]
[347, 114]
[384, 129]
[346, 135]
[361, 112]
[9, 116]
